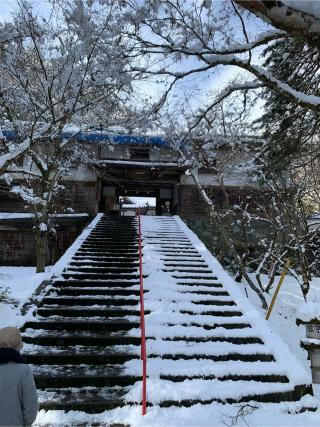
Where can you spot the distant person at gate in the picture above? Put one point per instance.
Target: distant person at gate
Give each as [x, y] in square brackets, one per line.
[18, 394]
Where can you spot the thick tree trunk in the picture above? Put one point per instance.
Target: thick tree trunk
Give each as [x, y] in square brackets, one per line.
[41, 249]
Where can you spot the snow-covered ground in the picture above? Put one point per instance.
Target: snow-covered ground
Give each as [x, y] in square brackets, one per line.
[23, 281]
[284, 314]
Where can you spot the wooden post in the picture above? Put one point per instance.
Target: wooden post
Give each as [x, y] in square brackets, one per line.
[283, 274]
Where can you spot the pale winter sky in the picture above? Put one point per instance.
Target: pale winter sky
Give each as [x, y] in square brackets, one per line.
[195, 89]
[7, 6]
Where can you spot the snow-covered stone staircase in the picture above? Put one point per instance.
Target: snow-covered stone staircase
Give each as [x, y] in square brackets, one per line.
[205, 342]
[75, 344]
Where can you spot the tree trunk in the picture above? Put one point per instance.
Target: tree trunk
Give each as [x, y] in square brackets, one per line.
[41, 249]
[228, 241]
[272, 276]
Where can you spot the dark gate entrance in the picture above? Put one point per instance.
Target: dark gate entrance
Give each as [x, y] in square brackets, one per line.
[126, 180]
[164, 195]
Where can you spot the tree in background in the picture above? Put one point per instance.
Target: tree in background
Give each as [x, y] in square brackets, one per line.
[292, 130]
[197, 39]
[58, 73]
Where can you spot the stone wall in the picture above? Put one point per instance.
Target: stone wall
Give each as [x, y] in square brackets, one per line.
[17, 243]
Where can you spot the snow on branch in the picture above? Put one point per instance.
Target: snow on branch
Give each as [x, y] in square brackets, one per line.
[297, 18]
[16, 151]
[311, 102]
[194, 39]
[228, 91]
[235, 48]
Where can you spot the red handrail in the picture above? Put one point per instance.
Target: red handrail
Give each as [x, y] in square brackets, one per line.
[142, 327]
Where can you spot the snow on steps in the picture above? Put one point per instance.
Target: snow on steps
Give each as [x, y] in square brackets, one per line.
[205, 350]
[205, 342]
[79, 341]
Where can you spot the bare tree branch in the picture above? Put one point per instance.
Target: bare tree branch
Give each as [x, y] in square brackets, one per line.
[287, 18]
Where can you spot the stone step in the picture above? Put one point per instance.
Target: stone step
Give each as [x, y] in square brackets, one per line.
[102, 300]
[206, 292]
[167, 236]
[98, 292]
[178, 257]
[46, 355]
[200, 283]
[63, 338]
[95, 249]
[188, 269]
[87, 312]
[90, 401]
[115, 236]
[173, 246]
[270, 396]
[232, 340]
[82, 376]
[117, 246]
[185, 368]
[109, 254]
[167, 240]
[99, 276]
[125, 235]
[83, 325]
[171, 252]
[123, 228]
[220, 357]
[195, 276]
[84, 263]
[108, 239]
[170, 235]
[225, 313]
[111, 240]
[193, 264]
[96, 283]
[251, 377]
[214, 302]
[107, 258]
[80, 371]
[98, 269]
[123, 225]
[233, 325]
[117, 223]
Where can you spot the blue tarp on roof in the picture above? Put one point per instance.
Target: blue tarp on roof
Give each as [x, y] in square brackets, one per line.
[96, 136]
[118, 139]
[8, 134]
